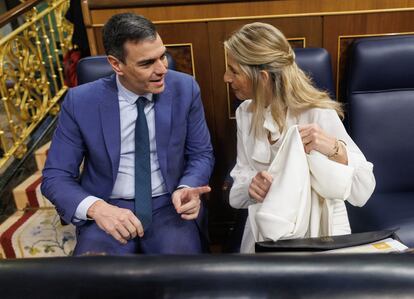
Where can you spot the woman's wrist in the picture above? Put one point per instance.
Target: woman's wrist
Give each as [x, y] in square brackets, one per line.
[339, 153]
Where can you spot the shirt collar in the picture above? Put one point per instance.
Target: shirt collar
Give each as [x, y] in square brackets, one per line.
[262, 151]
[128, 95]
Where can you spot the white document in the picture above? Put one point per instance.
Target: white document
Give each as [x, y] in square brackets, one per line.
[384, 246]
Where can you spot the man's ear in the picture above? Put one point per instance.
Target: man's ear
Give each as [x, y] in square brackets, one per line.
[116, 64]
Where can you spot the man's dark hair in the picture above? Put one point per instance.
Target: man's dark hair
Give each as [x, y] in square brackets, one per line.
[125, 27]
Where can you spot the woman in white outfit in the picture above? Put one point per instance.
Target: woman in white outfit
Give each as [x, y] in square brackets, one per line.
[261, 70]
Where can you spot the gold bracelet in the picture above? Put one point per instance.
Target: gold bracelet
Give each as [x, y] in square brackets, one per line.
[341, 141]
[335, 149]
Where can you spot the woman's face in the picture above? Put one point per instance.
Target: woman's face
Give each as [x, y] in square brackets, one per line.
[237, 79]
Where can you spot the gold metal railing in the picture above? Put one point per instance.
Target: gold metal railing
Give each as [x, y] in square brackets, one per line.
[31, 74]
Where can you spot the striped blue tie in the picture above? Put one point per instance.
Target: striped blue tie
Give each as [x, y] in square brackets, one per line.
[143, 191]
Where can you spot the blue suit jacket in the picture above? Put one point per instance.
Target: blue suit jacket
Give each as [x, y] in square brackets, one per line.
[89, 130]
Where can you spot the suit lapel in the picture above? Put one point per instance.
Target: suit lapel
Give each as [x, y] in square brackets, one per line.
[110, 121]
[163, 110]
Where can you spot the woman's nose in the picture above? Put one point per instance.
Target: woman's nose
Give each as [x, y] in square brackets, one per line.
[226, 78]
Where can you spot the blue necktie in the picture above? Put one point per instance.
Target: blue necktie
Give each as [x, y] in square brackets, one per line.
[143, 190]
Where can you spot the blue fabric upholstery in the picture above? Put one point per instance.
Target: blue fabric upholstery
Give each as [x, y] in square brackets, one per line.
[316, 63]
[94, 67]
[380, 95]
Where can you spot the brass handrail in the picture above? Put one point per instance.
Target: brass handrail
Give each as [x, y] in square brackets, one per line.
[31, 74]
[17, 11]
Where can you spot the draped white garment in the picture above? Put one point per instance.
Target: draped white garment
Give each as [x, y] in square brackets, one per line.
[307, 196]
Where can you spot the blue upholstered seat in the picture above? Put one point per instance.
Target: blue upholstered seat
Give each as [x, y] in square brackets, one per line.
[316, 63]
[92, 68]
[380, 96]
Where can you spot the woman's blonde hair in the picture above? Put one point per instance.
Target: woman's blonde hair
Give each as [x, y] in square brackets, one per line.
[260, 47]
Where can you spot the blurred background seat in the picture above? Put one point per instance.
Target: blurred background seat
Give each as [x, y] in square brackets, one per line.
[316, 63]
[380, 96]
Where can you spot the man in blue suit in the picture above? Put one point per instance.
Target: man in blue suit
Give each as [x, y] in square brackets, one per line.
[97, 125]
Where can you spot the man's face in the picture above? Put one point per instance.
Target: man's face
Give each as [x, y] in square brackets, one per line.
[144, 68]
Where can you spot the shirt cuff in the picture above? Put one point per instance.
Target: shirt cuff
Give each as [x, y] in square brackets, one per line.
[82, 209]
[354, 159]
[182, 186]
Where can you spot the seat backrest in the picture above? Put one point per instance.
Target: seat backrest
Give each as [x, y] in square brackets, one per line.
[95, 67]
[92, 68]
[380, 96]
[316, 63]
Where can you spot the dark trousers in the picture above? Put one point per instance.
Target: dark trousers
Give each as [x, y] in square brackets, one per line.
[168, 233]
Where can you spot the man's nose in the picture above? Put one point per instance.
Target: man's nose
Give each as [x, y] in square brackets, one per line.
[161, 67]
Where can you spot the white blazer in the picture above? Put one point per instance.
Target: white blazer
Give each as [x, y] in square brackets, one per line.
[308, 193]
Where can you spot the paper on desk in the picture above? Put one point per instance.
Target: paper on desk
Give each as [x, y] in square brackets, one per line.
[386, 245]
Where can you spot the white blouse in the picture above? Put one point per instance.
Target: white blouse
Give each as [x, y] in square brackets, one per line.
[256, 154]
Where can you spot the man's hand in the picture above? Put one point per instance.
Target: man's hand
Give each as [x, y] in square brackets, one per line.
[187, 201]
[260, 185]
[120, 223]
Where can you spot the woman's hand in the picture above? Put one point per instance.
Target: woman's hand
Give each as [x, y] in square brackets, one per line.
[314, 138]
[260, 185]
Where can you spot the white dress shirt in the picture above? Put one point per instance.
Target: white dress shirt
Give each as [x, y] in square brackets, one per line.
[124, 186]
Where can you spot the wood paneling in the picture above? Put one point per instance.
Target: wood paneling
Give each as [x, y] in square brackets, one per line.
[173, 13]
[145, 3]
